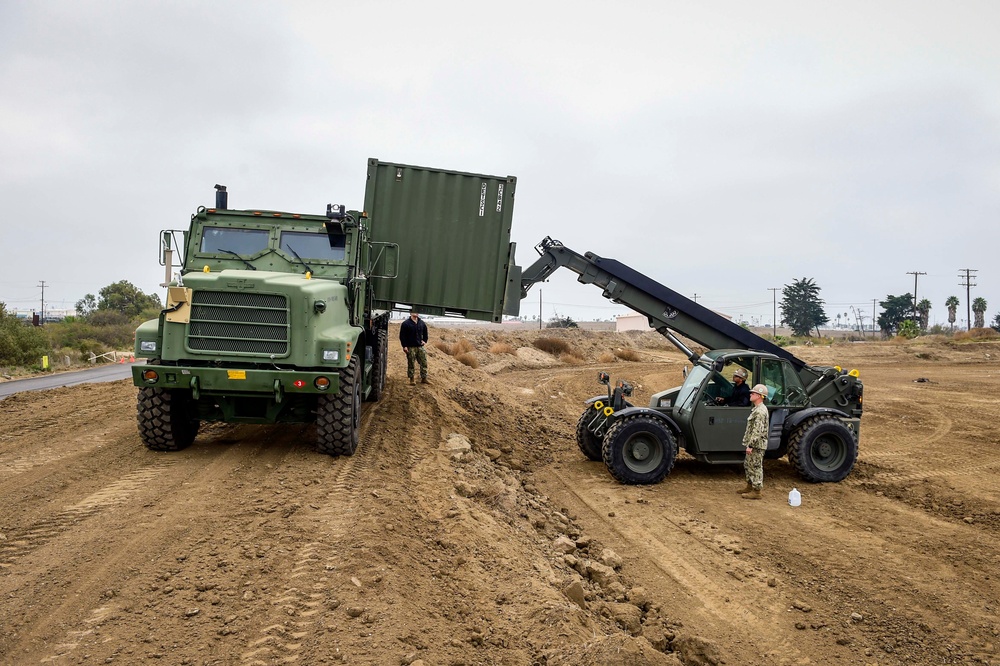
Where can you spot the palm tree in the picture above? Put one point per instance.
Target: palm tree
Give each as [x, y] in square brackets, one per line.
[979, 307]
[952, 305]
[924, 310]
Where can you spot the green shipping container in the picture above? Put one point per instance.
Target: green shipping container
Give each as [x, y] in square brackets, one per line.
[453, 234]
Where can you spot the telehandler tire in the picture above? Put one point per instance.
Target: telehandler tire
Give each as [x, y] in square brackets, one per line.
[823, 449]
[639, 450]
[166, 419]
[338, 415]
[588, 442]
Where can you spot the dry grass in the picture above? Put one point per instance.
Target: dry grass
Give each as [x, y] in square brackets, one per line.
[606, 357]
[628, 354]
[502, 348]
[467, 359]
[552, 346]
[976, 334]
[463, 346]
[571, 359]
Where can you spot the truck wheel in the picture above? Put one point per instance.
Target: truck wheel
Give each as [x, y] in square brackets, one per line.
[166, 419]
[639, 450]
[338, 417]
[823, 449]
[588, 442]
[379, 369]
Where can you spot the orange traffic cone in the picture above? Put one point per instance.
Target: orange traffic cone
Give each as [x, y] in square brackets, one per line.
[131, 359]
[121, 360]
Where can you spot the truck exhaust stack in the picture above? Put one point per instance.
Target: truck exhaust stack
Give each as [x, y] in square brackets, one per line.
[221, 198]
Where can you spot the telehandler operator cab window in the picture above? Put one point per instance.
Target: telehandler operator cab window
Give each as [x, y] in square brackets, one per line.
[729, 386]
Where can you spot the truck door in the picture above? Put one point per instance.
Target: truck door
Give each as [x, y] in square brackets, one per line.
[720, 427]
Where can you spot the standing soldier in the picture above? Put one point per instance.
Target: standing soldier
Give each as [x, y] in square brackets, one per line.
[413, 337]
[755, 439]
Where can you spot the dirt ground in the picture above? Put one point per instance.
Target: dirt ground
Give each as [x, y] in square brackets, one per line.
[469, 529]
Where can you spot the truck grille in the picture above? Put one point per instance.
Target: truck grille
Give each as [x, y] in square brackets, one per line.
[238, 323]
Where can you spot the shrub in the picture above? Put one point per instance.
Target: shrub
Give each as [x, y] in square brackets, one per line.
[467, 359]
[552, 346]
[571, 359]
[977, 334]
[502, 348]
[463, 346]
[628, 354]
[607, 357]
[20, 343]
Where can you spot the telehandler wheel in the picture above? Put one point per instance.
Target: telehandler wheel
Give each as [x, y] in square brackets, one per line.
[166, 419]
[639, 450]
[338, 416]
[588, 442]
[822, 448]
[381, 362]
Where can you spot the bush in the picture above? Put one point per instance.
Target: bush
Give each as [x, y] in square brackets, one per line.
[607, 357]
[571, 359]
[502, 348]
[467, 359]
[463, 346]
[552, 346]
[977, 334]
[20, 343]
[628, 354]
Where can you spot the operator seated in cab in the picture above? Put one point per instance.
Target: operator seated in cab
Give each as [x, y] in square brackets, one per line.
[740, 397]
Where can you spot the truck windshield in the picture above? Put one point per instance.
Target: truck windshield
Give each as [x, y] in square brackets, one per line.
[225, 240]
[312, 245]
[689, 391]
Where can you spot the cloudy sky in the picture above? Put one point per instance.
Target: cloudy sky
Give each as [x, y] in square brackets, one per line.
[722, 148]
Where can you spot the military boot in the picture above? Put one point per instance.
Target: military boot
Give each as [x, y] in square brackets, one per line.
[754, 494]
[745, 489]
[411, 381]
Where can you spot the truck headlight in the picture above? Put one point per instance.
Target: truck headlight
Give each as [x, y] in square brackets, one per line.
[331, 354]
[663, 403]
[147, 346]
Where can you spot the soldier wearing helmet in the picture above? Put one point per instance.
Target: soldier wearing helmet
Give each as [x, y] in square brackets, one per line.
[740, 397]
[755, 441]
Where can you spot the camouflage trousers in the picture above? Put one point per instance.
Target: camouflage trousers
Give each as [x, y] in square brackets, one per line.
[754, 466]
[416, 356]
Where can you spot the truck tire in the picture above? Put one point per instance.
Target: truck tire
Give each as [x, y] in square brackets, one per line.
[639, 450]
[338, 415]
[380, 365]
[588, 442]
[822, 449]
[166, 419]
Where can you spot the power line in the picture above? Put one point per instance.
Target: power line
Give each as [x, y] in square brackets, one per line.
[915, 274]
[970, 275]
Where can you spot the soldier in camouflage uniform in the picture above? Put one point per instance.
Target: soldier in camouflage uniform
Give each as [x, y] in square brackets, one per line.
[755, 441]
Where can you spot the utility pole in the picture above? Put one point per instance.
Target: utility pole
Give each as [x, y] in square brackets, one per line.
[41, 318]
[967, 282]
[915, 274]
[873, 317]
[774, 315]
[695, 297]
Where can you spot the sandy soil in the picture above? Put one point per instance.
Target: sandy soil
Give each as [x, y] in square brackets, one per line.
[469, 529]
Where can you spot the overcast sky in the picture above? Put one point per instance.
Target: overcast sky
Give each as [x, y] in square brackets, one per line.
[722, 148]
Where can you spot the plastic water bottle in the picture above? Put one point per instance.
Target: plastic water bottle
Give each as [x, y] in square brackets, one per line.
[794, 497]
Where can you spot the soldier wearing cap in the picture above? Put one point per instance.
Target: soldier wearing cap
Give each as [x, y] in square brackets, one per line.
[740, 396]
[755, 441]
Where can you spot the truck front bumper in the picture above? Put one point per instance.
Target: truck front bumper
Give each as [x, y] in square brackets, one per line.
[229, 381]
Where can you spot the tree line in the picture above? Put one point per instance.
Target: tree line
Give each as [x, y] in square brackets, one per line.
[803, 311]
[106, 322]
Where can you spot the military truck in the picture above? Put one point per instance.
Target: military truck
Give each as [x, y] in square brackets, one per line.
[278, 317]
[815, 412]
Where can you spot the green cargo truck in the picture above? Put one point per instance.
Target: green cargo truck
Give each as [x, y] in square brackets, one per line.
[283, 317]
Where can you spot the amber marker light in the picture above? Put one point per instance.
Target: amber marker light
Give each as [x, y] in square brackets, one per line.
[150, 376]
[322, 383]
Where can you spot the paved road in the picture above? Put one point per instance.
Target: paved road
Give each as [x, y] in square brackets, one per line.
[104, 373]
